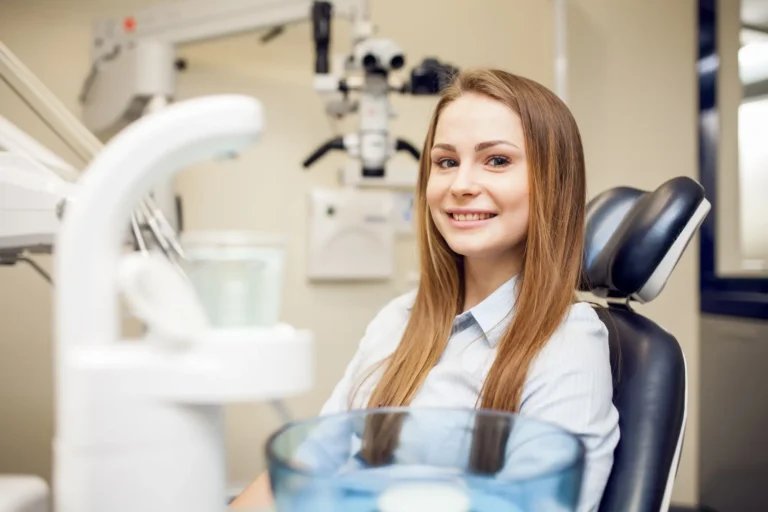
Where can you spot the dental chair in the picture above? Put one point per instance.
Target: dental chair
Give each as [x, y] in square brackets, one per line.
[634, 239]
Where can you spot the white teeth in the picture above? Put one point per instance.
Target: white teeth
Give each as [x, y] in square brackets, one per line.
[471, 216]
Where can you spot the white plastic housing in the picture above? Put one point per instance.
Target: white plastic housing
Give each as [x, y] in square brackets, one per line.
[125, 83]
[30, 195]
[139, 422]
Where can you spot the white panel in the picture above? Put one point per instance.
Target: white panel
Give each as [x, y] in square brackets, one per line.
[351, 235]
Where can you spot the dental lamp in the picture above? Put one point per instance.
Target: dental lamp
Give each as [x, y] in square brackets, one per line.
[134, 67]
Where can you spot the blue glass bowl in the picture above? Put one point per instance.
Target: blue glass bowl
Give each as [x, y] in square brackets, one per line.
[360, 461]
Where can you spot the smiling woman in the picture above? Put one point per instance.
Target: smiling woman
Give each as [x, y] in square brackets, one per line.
[494, 323]
[477, 190]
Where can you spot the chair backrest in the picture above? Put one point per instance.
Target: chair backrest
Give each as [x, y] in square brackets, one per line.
[634, 240]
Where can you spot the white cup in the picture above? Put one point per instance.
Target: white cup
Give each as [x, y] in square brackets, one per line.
[238, 276]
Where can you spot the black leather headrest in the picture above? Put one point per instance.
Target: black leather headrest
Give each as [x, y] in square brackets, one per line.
[635, 238]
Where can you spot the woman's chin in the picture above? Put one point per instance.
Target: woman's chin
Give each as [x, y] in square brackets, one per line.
[473, 251]
[484, 252]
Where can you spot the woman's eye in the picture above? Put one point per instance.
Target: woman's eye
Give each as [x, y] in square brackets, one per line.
[498, 161]
[447, 162]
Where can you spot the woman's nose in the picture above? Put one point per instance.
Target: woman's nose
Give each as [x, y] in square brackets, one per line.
[464, 182]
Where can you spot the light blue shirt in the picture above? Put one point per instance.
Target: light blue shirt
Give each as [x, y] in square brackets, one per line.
[569, 383]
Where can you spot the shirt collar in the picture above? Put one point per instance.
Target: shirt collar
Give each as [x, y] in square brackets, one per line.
[494, 313]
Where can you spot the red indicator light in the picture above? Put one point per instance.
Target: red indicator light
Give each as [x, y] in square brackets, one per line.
[129, 24]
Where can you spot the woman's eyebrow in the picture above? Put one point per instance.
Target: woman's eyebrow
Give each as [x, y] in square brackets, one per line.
[479, 147]
[491, 143]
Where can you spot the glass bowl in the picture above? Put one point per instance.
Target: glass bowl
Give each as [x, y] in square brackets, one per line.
[403, 459]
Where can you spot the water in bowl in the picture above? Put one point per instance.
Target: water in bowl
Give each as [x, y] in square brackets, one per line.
[316, 465]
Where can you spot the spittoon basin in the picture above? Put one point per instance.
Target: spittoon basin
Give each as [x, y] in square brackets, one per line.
[406, 459]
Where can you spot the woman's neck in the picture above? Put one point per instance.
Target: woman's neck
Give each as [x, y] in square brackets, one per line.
[483, 276]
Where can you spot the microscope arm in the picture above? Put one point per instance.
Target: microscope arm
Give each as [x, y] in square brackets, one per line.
[347, 144]
[133, 56]
[187, 21]
[404, 145]
[334, 143]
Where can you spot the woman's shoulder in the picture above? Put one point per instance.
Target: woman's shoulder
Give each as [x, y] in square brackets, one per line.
[397, 308]
[390, 320]
[576, 355]
[403, 302]
[580, 339]
[582, 318]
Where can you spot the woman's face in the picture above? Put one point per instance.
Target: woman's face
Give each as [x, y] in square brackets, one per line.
[477, 191]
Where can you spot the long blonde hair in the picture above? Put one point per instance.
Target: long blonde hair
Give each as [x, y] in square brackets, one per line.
[547, 282]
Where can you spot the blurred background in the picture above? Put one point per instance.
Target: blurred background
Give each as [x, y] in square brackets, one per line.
[659, 88]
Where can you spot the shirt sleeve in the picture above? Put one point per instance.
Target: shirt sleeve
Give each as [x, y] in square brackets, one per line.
[339, 400]
[330, 444]
[383, 332]
[570, 385]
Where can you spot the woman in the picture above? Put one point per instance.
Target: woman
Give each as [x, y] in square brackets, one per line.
[494, 322]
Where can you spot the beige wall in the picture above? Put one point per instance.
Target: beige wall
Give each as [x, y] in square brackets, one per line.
[615, 73]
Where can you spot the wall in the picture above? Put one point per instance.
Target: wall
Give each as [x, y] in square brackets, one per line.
[615, 91]
[633, 93]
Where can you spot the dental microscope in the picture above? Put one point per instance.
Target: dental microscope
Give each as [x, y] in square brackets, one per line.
[134, 66]
[374, 61]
